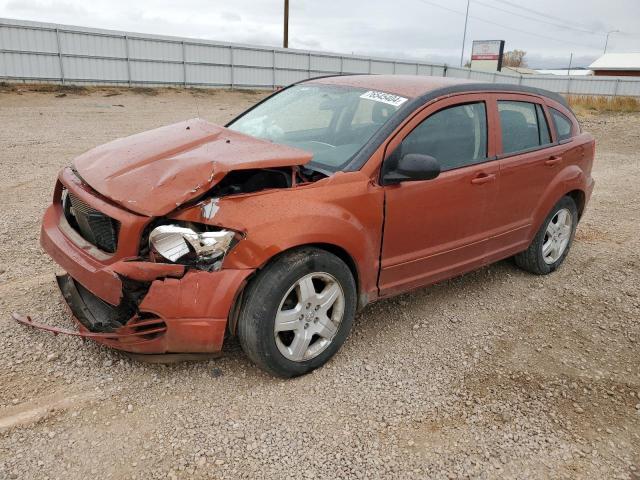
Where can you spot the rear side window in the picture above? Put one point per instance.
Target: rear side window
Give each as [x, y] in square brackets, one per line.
[562, 123]
[523, 126]
[455, 137]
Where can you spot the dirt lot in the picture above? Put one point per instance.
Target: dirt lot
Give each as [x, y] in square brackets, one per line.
[497, 374]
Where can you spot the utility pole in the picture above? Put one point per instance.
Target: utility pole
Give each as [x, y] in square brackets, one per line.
[606, 42]
[285, 40]
[570, 61]
[464, 35]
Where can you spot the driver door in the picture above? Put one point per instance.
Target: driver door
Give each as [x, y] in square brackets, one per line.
[435, 229]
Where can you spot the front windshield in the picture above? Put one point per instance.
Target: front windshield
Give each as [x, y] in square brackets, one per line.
[332, 122]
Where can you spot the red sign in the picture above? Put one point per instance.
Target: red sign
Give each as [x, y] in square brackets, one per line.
[485, 57]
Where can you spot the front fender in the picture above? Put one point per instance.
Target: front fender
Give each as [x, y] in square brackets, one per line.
[344, 211]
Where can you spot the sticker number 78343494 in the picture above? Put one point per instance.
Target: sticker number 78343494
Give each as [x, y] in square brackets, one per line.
[383, 97]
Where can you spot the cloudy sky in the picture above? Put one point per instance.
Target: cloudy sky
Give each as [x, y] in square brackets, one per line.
[549, 30]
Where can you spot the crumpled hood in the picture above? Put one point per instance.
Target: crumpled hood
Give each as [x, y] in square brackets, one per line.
[153, 172]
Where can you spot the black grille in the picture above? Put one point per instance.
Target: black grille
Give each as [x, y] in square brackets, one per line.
[94, 226]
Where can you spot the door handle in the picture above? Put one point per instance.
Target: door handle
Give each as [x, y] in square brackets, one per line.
[552, 160]
[483, 178]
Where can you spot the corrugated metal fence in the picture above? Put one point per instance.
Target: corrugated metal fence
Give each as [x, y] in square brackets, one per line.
[44, 52]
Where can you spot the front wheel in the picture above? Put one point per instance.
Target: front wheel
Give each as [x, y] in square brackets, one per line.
[297, 312]
[551, 244]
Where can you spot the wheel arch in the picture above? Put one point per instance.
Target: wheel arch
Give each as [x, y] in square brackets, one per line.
[337, 250]
[580, 197]
[570, 182]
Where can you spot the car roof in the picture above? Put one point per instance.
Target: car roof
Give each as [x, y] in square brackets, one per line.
[406, 85]
[417, 86]
[420, 90]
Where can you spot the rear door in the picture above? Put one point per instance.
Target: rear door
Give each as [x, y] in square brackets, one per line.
[529, 159]
[435, 229]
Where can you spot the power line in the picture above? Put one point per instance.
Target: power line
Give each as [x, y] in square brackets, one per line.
[542, 14]
[442, 6]
[636, 35]
[560, 25]
[519, 30]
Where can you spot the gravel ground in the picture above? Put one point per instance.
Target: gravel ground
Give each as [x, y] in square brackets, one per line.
[496, 374]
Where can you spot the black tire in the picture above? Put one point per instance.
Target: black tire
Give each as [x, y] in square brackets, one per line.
[532, 259]
[262, 300]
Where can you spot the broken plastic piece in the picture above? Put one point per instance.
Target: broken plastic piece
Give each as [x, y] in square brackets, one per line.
[123, 332]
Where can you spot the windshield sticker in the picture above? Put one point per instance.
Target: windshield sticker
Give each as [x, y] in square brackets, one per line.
[383, 97]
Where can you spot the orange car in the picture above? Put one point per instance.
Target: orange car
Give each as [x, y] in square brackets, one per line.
[329, 194]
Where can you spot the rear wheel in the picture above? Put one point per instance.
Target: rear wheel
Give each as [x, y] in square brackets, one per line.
[553, 241]
[298, 312]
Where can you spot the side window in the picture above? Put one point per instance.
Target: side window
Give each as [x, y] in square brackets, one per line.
[562, 123]
[455, 136]
[523, 126]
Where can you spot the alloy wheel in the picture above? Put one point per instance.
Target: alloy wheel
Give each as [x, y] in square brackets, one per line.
[557, 236]
[309, 316]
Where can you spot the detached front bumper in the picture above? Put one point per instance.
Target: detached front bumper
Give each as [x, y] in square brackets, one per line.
[135, 306]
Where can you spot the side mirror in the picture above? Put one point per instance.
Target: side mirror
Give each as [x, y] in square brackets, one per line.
[410, 167]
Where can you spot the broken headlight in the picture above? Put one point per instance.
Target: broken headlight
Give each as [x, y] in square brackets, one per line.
[203, 249]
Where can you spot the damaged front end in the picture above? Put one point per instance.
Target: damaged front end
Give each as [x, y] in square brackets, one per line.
[99, 320]
[98, 316]
[137, 277]
[155, 294]
[160, 316]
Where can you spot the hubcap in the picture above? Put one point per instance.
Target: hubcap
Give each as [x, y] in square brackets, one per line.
[557, 236]
[309, 316]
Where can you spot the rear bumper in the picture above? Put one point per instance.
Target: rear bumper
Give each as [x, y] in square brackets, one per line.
[177, 310]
